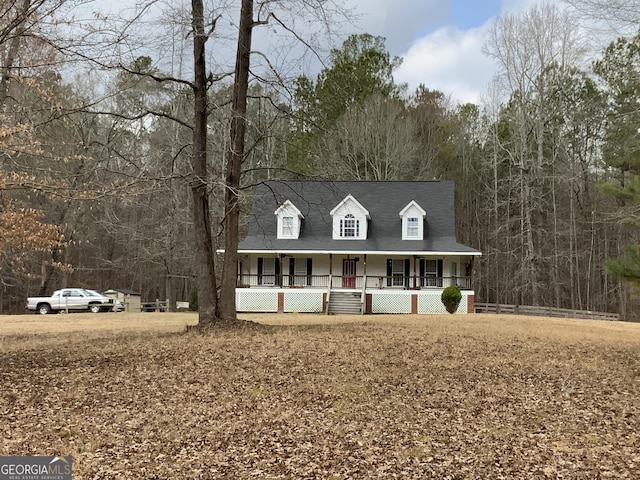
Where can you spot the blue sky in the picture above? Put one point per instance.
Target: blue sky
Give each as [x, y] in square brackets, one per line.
[465, 14]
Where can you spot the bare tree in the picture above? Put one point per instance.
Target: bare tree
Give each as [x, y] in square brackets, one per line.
[373, 141]
[28, 90]
[431, 111]
[206, 274]
[235, 159]
[619, 16]
[266, 14]
[525, 46]
[215, 305]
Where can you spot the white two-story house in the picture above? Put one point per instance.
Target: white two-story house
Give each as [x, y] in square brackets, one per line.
[352, 247]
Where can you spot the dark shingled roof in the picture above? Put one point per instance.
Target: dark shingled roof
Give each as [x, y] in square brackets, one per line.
[383, 200]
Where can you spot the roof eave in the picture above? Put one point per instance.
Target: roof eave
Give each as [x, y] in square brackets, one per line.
[358, 252]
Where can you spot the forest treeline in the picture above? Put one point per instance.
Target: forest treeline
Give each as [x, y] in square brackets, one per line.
[97, 173]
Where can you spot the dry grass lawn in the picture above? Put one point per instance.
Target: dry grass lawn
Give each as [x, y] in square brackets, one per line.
[316, 397]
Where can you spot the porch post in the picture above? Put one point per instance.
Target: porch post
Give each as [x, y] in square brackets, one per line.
[280, 302]
[364, 273]
[415, 261]
[330, 271]
[468, 268]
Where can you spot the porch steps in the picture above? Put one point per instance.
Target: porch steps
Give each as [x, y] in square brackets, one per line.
[344, 303]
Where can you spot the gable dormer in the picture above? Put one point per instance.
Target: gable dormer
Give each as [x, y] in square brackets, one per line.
[349, 220]
[289, 220]
[413, 221]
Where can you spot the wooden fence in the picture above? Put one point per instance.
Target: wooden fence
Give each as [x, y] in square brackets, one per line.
[157, 306]
[543, 311]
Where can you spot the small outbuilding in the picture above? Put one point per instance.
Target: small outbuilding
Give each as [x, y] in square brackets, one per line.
[131, 300]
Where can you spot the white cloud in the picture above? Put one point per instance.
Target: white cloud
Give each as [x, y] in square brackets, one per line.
[399, 21]
[451, 61]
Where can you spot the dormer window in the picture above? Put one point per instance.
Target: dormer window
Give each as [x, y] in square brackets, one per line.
[287, 227]
[349, 220]
[412, 221]
[413, 227]
[289, 220]
[349, 227]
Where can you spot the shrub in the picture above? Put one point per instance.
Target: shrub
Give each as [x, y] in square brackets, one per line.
[193, 300]
[451, 297]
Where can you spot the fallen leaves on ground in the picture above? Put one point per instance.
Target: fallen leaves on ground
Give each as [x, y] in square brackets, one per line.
[343, 401]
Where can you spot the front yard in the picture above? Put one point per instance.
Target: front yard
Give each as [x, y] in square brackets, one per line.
[408, 396]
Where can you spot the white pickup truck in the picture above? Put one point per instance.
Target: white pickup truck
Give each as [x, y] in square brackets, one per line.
[70, 299]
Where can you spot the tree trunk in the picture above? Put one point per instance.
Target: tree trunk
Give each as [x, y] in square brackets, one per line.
[235, 158]
[206, 278]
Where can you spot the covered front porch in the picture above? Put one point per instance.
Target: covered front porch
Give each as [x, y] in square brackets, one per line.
[360, 271]
[347, 283]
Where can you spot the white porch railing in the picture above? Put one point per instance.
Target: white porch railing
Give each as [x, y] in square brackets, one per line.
[397, 282]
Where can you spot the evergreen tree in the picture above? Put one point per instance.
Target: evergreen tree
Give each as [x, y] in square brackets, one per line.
[619, 69]
[358, 71]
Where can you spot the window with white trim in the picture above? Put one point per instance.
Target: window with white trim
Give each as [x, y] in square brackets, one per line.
[289, 220]
[287, 227]
[430, 273]
[397, 272]
[349, 226]
[268, 271]
[413, 227]
[350, 220]
[300, 271]
[413, 221]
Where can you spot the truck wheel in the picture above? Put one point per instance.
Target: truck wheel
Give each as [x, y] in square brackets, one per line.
[95, 308]
[44, 309]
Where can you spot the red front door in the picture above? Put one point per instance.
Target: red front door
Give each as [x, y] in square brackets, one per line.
[348, 273]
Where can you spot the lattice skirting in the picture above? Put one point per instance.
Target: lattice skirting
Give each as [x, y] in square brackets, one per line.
[311, 301]
[254, 300]
[257, 300]
[433, 304]
[303, 301]
[392, 302]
